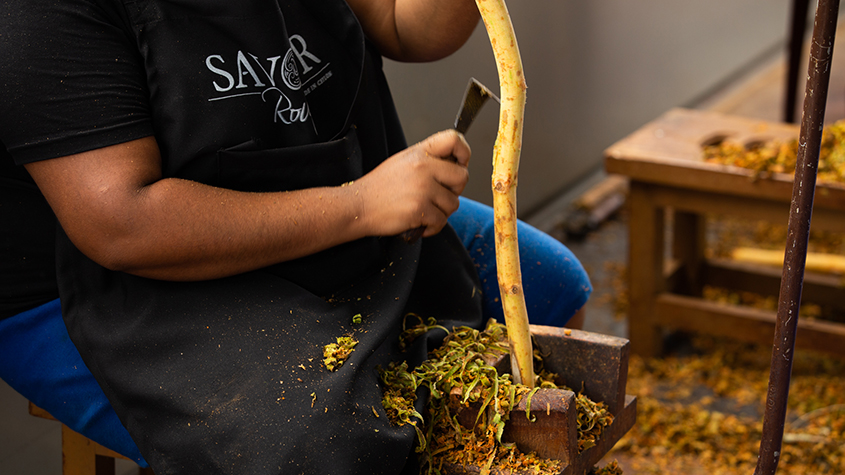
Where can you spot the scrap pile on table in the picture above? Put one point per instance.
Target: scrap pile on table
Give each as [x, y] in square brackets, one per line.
[777, 156]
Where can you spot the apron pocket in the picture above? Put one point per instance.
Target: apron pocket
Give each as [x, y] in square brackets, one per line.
[246, 167]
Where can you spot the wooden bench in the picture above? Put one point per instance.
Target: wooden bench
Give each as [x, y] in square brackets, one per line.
[81, 455]
[663, 161]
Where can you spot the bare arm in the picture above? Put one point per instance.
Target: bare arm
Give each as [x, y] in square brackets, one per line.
[417, 30]
[120, 212]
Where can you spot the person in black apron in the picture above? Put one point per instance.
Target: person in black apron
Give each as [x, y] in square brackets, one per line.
[209, 351]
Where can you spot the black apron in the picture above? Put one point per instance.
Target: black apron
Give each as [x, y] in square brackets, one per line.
[226, 376]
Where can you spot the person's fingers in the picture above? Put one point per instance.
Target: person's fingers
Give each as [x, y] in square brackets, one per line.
[448, 143]
[417, 187]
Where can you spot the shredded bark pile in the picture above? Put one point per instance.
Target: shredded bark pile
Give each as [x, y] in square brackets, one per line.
[707, 407]
[776, 156]
[459, 374]
[701, 412]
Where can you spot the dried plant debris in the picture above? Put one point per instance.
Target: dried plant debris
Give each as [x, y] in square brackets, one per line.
[411, 332]
[707, 408]
[776, 156]
[334, 354]
[610, 469]
[458, 375]
[593, 417]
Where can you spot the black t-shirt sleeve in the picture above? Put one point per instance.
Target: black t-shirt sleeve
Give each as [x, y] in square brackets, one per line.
[72, 79]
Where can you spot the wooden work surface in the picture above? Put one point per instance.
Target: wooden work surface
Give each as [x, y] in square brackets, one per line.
[664, 163]
[668, 151]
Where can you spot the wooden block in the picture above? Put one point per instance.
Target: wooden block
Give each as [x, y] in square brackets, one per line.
[551, 431]
[592, 198]
[592, 361]
[597, 362]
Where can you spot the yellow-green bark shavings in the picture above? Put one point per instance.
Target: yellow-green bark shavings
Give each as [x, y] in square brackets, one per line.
[776, 156]
[459, 374]
[334, 354]
[410, 333]
[700, 412]
[593, 417]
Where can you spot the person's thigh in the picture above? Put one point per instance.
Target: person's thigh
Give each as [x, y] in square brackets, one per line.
[555, 283]
[38, 360]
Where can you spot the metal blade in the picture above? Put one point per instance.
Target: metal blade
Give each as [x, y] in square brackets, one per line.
[474, 98]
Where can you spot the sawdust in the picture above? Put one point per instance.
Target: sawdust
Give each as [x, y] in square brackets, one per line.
[706, 407]
[700, 411]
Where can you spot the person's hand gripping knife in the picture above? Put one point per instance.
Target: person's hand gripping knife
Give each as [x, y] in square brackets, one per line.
[417, 189]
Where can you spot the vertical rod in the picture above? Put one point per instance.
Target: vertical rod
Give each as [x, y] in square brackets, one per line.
[795, 47]
[798, 233]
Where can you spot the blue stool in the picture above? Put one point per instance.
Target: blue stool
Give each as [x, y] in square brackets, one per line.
[39, 362]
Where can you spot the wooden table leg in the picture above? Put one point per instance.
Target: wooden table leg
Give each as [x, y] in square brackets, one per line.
[645, 270]
[689, 241]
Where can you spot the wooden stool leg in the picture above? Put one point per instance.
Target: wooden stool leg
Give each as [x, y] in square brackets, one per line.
[105, 465]
[78, 455]
[645, 270]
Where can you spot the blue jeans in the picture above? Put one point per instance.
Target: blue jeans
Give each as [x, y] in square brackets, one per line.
[555, 284]
[39, 361]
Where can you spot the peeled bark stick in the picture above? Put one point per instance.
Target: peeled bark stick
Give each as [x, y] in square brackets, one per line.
[506, 152]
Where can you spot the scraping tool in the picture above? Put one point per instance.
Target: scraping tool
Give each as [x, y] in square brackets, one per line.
[475, 96]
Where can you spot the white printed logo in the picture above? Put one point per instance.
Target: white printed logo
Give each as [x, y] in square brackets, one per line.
[248, 75]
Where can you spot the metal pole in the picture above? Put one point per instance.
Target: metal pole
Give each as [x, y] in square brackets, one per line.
[798, 233]
[797, 27]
